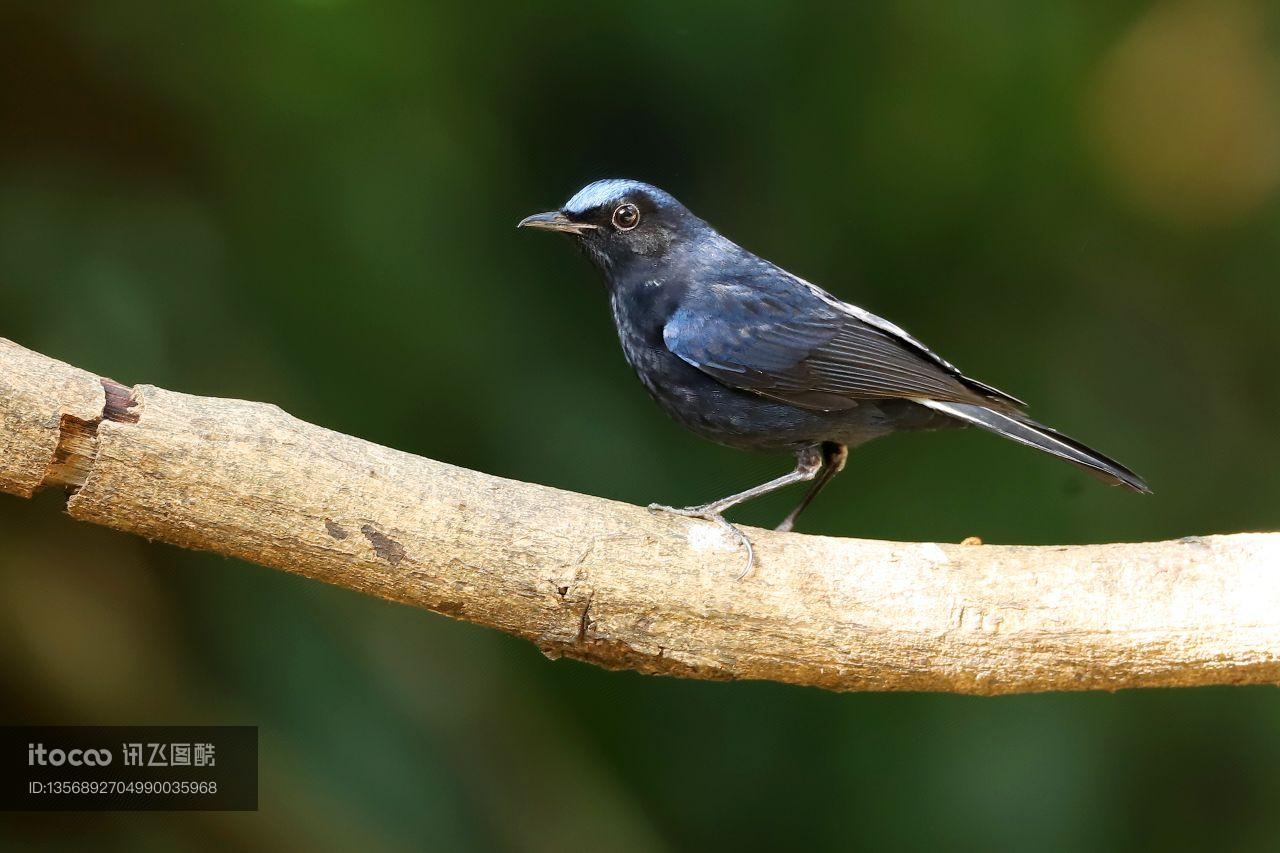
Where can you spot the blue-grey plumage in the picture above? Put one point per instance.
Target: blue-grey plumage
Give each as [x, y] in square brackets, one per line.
[746, 354]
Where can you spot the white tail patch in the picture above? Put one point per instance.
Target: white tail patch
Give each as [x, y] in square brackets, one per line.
[964, 412]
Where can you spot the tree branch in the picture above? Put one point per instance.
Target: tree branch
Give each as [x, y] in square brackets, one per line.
[615, 585]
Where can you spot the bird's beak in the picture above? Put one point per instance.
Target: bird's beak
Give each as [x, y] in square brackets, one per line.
[554, 220]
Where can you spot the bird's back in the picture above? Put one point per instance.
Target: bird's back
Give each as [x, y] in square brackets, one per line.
[729, 313]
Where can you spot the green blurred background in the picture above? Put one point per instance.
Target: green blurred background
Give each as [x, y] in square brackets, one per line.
[312, 203]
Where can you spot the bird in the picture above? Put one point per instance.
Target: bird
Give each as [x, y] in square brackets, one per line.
[745, 354]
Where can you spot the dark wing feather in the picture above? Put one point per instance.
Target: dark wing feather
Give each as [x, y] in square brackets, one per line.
[779, 337]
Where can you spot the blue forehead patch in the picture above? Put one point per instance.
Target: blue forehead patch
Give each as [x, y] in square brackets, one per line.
[610, 190]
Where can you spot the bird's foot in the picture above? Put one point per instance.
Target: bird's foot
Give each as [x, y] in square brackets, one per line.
[709, 512]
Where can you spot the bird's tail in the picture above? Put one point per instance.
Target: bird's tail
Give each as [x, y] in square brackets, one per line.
[1026, 431]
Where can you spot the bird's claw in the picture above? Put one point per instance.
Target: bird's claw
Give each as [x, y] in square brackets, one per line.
[687, 511]
[708, 513]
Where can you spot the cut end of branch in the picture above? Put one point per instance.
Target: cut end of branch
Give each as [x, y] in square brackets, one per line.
[78, 438]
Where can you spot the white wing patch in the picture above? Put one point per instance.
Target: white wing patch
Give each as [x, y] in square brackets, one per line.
[894, 329]
[873, 320]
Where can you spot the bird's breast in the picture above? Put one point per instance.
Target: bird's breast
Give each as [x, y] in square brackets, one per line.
[693, 398]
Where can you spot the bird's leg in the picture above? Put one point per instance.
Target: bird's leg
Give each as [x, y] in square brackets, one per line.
[808, 462]
[833, 458]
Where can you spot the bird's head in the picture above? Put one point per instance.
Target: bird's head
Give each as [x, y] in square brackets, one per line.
[619, 221]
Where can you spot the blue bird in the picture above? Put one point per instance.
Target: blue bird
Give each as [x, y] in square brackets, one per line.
[745, 354]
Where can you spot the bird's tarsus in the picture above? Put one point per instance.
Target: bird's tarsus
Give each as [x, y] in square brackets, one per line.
[708, 512]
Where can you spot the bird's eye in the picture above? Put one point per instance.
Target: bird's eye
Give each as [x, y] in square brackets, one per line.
[626, 217]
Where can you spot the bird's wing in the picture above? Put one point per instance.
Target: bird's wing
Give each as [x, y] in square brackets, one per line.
[784, 338]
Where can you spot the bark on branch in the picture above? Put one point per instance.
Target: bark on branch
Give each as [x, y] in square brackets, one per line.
[615, 585]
